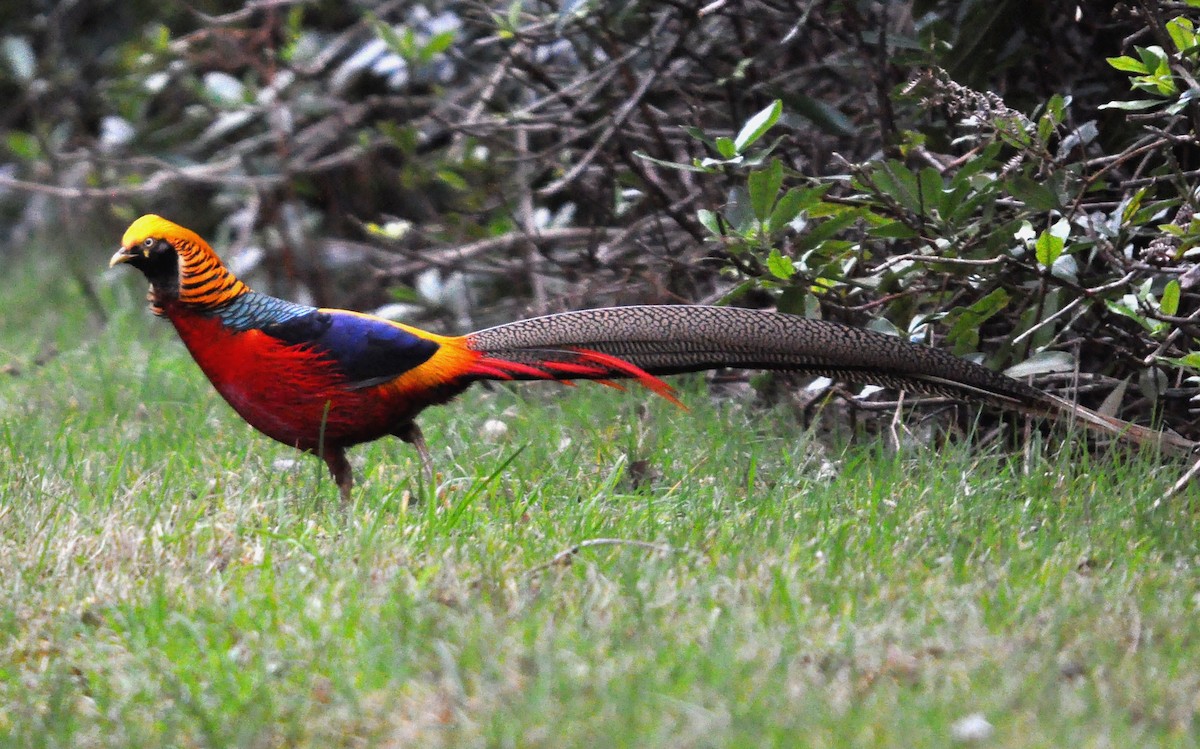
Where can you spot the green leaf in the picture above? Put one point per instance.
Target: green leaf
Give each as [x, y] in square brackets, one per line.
[1043, 362]
[1126, 311]
[709, 220]
[823, 209]
[1066, 268]
[1040, 314]
[989, 305]
[437, 44]
[933, 190]
[780, 266]
[965, 201]
[892, 230]
[726, 148]
[1182, 33]
[1056, 108]
[964, 333]
[1152, 211]
[1152, 57]
[1192, 360]
[1158, 78]
[790, 205]
[897, 181]
[1052, 116]
[738, 213]
[1133, 105]
[701, 136]
[817, 235]
[822, 114]
[1183, 102]
[1045, 128]
[1033, 194]
[452, 178]
[1131, 208]
[764, 187]
[394, 39]
[1127, 64]
[405, 294]
[672, 164]
[711, 165]
[985, 159]
[794, 300]
[1169, 304]
[23, 145]
[1051, 242]
[1164, 82]
[756, 126]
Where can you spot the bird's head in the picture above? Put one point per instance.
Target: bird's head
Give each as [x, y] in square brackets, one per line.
[179, 265]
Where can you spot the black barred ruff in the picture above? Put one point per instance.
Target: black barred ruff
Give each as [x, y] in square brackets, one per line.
[204, 281]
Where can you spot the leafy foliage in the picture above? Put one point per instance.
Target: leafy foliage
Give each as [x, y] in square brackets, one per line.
[1019, 236]
[975, 172]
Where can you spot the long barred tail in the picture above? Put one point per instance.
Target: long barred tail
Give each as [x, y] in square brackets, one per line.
[643, 342]
[663, 340]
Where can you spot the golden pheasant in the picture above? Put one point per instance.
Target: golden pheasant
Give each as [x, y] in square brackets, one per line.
[323, 380]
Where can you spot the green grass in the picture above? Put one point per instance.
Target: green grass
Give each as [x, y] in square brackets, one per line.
[169, 578]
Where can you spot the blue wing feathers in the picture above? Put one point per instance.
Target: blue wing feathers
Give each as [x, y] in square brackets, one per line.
[254, 310]
[372, 351]
[368, 350]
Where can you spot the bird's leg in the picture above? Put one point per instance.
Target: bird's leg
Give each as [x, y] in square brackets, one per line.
[411, 434]
[339, 468]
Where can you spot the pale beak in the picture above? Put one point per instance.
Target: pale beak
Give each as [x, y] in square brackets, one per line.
[123, 255]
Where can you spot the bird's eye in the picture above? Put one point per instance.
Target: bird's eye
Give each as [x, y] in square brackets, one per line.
[148, 241]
